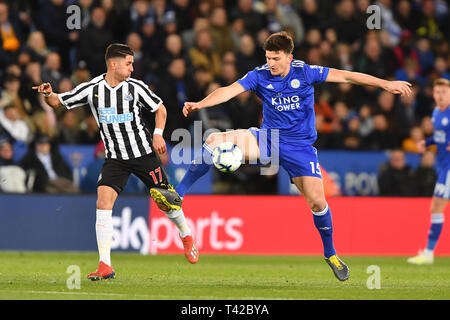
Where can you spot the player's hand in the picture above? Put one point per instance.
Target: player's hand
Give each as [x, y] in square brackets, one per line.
[399, 87]
[448, 147]
[45, 88]
[190, 107]
[159, 144]
[421, 146]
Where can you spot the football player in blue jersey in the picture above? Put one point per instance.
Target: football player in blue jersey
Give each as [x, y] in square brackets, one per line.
[286, 88]
[440, 138]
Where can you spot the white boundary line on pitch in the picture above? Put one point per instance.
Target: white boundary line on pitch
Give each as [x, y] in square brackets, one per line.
[148, 296]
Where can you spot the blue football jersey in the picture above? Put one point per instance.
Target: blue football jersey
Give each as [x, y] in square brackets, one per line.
[441, 137]
[288, 103]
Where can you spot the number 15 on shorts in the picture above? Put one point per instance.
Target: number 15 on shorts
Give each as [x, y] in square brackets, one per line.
[315, 168]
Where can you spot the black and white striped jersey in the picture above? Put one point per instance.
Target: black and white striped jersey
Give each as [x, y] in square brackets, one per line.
[117, 111]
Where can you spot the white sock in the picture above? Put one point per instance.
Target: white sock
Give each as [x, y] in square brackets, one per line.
[104, 232]
[177, 217]
[428, 253]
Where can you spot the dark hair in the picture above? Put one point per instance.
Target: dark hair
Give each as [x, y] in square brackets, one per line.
[280, 41]
[4, 138]
[118, 50]
[11, 77]
[41, 138]
[9, 105]
[201, 68]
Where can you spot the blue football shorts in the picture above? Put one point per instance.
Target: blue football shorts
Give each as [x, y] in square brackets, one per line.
[442, 188]
[297, 160]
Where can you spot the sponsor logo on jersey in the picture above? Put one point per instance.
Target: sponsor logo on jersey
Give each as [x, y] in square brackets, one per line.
[286, 103]
[109, 116]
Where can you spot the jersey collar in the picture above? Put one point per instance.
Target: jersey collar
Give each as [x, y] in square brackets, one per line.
[108, 86]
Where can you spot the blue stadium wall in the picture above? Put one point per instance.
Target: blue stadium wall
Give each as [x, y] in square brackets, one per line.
[54, 223]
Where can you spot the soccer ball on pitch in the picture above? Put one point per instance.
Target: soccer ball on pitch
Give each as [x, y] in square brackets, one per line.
[227, 157]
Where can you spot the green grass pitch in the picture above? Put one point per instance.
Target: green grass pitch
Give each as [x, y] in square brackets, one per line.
[42, 275]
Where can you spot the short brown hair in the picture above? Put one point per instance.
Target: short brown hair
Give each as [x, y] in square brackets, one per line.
[280, 41]
[441, 82]
[118, 50]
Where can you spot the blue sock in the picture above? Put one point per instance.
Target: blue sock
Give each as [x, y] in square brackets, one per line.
[324, 224]
[437, 221]
[199, 166]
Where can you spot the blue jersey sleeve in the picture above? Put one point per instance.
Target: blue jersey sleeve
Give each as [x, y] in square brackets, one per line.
[315, 74]
[429, 141]
[249, 81]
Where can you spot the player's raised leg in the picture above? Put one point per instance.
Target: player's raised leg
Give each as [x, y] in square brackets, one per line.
[312, 189]
[203, 161]
[165, 200]
[177, 217]
[168, 201]
[106, 197]
[437, 221]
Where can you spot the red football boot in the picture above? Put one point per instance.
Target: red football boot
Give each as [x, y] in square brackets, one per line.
[103, 272]
[190, 250]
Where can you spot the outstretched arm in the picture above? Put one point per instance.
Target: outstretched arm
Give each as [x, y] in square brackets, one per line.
[342, 76]
[50, 97]
[216, 97]
[160, 122]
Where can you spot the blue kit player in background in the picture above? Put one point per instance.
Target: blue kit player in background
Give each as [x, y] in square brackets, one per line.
[440, 138]
[285, 87]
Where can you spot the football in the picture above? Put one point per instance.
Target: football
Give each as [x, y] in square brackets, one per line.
[227, 157]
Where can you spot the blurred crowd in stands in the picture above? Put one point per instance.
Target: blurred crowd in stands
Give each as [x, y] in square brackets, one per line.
[184, 49]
